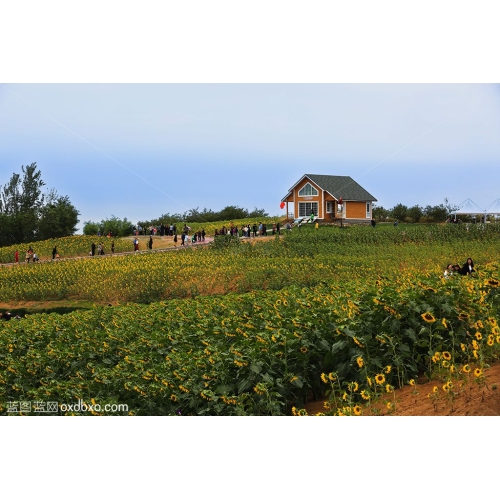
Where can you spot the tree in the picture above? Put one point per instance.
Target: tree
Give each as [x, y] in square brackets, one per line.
[58, 218]
[415, 213]
[436, 213]
[379, 213]
[400, 212]
[258, 212]
[91, 228]
[28, 215]
[117, 227]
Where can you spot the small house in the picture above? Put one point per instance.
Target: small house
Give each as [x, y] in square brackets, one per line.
[329, 198]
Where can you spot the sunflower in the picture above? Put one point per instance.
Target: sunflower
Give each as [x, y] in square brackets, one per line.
[365, 395]
[435, 389]
[344, 396]
[463, 347]
[493, 282]
[491, 340]
[462, 316]
[475, 345]
[359, 360]
[353, 386]
[357, 410]
[412, 382]
[446, 355]
[303, 350]
[474, 353]
[478, 372]
[445, 364]
[466, 369]
[478, 336]
[388, 369]
[428, 317]
[331, 377]
[358, 342]
[324, 379]
[389, 406]
[379, 378]
[388, 388]
[445, 323]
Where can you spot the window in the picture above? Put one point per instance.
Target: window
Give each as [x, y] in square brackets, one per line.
[305, 208]
[368, 212]
[329, 207]
[308, 190]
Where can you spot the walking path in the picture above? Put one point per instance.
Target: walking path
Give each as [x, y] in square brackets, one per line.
[208, 240]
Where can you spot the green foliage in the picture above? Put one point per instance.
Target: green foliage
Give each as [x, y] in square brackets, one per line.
[58, 218]
[27, 215]
[259, 353]
[206, 216]
[117, 227]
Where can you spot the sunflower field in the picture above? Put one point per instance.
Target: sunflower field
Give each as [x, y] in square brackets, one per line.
[257, 329]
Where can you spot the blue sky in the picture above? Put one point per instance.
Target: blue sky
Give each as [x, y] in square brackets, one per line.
[141, 150]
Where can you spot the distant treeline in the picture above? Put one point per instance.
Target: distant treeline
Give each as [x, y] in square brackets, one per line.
[124, 227]
[402, 213]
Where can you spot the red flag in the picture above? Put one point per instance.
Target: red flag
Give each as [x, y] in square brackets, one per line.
[282, 204]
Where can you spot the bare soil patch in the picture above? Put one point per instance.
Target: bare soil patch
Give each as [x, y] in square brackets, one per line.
[467, 398]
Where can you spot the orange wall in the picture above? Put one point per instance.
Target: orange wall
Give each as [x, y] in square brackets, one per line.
[308, 198]
[355, 210]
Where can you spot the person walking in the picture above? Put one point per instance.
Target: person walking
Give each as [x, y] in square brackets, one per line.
[92, 247]
[16, 256]
[54, 253]
[150, 244]
[112, 247]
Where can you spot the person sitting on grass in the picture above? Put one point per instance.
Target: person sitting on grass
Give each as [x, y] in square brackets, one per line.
[468, 268]
[448, 271]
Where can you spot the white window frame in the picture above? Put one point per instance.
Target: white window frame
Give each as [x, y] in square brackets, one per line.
[368, 210]
[329, 207]
[305, 208]
[314, 191]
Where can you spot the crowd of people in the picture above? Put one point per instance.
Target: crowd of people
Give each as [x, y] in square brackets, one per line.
[250, 230]
[32, 256]
[465, 270]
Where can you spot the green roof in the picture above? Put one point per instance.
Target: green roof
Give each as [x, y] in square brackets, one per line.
[341, 186]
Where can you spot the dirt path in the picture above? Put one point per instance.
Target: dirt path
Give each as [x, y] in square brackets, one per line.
[472, 397]
[165, 245]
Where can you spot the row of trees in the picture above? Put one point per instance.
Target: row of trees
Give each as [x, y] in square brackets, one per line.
[28, 214]
[416, 213]
[195, 215]
[123, 227]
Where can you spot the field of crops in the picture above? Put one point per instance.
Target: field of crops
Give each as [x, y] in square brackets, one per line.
[79, 246]
[262, 327]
